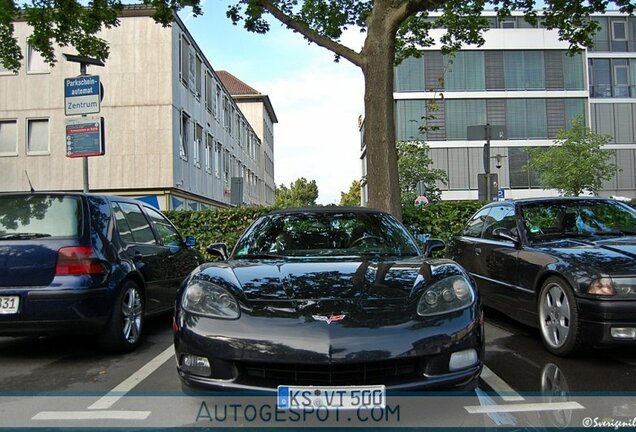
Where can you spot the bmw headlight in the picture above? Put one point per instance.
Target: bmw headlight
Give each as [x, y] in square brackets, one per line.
[205, 298]
[613, 287]
[447, 295]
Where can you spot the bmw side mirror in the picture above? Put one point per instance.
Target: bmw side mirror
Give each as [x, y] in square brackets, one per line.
[190, 241]
[218, 249]
[433, 245]
[505, 234]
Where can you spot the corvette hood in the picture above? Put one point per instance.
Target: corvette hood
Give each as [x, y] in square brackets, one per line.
[326, 279]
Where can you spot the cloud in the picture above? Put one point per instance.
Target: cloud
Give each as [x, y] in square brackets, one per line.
[317, 136]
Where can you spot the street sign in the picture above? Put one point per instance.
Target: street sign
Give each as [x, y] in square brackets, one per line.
[82, 95]
[484, 132]
[501, 194]
[85, 137]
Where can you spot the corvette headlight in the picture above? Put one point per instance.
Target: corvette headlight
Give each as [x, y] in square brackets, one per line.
[448, 295]
[613, 287]
[205, 298]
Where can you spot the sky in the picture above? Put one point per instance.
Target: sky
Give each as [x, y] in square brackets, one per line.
[317, 101]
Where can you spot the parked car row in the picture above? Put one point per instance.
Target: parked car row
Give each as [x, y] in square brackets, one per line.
[319, 297]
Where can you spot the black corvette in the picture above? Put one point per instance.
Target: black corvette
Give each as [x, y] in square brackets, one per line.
[565, 265]
[328, 297]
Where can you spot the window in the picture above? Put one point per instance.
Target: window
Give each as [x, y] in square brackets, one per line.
[410, 118]
[226, 166]
[619, 30]
[524, 70]
[35, 62]
[209, 92]
[526, 118]
[185, 136]
[192, 71]
[167, 233]
[601, 78]
[409, 75]
[499, 217]
[475, 225]
[217, 101]
[8, 137]
[508, 23]
[621, 78]
[226, 113]
[466, 71]
[217, 159]
[573, 71]
[463, 113]
[198, 77]
[37, 136]
[132, 225]
[230, 121]
[198, 143]
[209, 152]
[185, 59]
[573, 108]
[520, 176]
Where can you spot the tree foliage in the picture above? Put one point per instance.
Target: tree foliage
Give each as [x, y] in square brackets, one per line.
[300, 193]
[351, 198]
[414, 166]
[576, 162]
[394, 29]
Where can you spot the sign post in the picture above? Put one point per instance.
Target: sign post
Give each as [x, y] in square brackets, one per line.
[486, 132]
[82, 96]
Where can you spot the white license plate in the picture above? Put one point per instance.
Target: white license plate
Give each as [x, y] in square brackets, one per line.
[289, 397]
[9, 305]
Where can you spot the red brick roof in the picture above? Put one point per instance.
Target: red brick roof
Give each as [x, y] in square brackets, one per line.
[234, 85]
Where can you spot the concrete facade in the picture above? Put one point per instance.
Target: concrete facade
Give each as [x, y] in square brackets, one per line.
[173, 133]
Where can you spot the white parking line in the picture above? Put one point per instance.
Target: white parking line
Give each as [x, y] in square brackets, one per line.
[551, 406]
[92, 415]
[129, 383]
[500, 386]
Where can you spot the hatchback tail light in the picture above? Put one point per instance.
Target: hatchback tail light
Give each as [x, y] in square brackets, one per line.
[78, 260]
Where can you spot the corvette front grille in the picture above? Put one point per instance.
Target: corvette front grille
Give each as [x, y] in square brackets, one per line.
[379, 372]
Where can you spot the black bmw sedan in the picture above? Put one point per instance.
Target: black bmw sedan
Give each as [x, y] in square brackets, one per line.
[328, 297]
[564, 265]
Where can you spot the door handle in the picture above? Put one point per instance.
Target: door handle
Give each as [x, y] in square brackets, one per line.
[477, 251]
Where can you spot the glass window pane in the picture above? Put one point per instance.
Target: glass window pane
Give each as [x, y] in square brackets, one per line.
[534, 70]
[454, 72]
[167, 233]
[35, 61]
[601, 37]
[516, 118]
[536, 121]
[573, 71]
[410, 115]
[38, 136]
[462, 113]
[573, 108]
[601, 78]
[8, 137]
[514, 70]
[138, 224]
[518, 159]
[409, 75]
[474, 70]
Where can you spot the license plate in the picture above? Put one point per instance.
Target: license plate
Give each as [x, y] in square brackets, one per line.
[289, 397]
[9, 305]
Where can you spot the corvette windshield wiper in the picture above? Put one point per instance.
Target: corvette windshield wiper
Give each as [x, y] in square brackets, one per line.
[23, 236]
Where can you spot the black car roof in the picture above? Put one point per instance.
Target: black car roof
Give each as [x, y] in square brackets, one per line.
[536, 200]
[326, 209]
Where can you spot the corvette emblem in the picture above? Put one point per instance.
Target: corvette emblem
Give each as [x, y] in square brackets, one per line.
[328, 319]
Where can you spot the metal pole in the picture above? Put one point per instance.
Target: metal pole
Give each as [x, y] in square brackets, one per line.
[487, 162]
[85, 158]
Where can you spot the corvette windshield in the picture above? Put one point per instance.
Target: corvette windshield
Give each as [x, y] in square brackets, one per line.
[304, 234]
[578, 218]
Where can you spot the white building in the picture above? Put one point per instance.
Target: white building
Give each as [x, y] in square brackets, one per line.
[174, 134]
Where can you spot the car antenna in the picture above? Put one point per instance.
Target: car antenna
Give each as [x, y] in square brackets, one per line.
[29, 180]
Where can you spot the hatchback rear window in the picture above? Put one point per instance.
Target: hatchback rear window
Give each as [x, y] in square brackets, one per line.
[34, 216]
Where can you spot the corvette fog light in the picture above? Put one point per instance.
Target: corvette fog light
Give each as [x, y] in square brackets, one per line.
[462, 359]
[623, 332]
[196, 365]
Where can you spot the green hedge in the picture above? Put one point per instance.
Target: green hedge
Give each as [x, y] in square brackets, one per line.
[440, 220]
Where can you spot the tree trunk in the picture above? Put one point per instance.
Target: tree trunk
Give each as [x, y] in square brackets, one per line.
[379, 127]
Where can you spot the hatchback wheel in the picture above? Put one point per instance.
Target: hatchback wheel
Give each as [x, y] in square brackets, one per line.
[559, 318]
[124, 329]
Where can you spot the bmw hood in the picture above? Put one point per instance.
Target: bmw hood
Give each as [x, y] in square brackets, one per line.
[611, 256]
